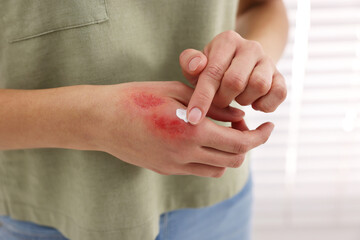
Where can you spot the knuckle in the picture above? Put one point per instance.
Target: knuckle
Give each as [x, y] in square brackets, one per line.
[271, 109]
[255, 46]
[230, 35]
[267, 59]
[203, 96]
[214, 72]
[267, 108]
[264, 106]
[235, 81]
[281, 93]
[239, 147]
[260, 83]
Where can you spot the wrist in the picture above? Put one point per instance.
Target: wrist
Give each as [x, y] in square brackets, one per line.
[84, 118]
[68, 117]
[101, 115]
[46, 118]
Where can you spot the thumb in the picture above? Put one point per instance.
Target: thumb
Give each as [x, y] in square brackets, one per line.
[259, 135]
[240, 125]
[192, 63]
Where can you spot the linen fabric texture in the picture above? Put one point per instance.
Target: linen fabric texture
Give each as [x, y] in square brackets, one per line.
[90, 195]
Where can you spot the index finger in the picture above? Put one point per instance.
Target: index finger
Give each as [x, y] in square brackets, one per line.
[209, 81]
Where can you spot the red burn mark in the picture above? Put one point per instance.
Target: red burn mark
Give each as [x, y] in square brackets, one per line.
[173, 127]
[147, 100]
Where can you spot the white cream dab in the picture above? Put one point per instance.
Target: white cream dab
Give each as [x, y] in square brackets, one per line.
[181, 113]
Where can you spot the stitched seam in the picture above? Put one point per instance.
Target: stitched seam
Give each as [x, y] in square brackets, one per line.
[59, 29]
[65, 27]
[106, 9]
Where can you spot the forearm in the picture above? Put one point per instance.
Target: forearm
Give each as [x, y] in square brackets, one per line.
[48, 118]
[265, 22]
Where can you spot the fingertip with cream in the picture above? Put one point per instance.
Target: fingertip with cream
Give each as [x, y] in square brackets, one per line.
[194, 116]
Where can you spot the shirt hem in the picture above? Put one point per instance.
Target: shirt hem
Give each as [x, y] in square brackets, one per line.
[147, 230]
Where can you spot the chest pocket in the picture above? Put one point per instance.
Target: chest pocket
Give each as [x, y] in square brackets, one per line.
[25, 19]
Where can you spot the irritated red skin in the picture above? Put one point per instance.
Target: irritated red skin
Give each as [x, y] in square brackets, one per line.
[167, 126]
[173, 127]
[147, 100]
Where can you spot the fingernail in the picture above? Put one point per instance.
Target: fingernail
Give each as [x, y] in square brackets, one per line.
[194, 116]
[194, 63]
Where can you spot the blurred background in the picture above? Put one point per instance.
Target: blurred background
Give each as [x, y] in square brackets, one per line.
[307, 177]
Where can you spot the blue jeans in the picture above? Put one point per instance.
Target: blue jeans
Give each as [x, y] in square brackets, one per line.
[227, 220]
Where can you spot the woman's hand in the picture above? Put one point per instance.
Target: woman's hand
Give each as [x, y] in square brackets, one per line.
[231, 68]
[137, 124]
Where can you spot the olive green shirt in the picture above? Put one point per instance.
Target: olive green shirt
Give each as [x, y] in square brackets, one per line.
[90, 195]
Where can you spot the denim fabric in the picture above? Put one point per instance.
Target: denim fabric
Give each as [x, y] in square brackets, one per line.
[11, 229]
[227, 220]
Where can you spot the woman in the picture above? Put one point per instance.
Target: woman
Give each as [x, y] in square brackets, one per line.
[92, 146]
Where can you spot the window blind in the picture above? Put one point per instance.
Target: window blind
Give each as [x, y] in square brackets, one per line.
[307, 176]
